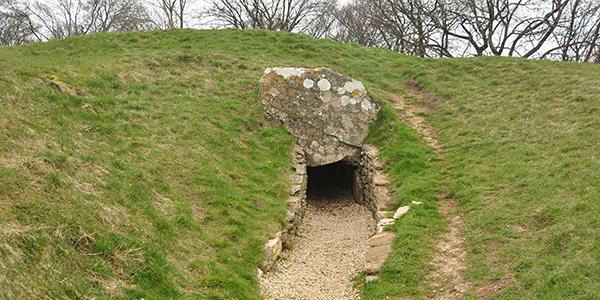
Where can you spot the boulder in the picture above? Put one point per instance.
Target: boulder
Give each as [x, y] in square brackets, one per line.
[329, 114]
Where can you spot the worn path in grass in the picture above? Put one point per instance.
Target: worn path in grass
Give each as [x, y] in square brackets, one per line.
[448, 262]
[330, 249]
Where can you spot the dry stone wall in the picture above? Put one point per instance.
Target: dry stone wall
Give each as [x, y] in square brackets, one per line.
[372, 182]
[295, 212]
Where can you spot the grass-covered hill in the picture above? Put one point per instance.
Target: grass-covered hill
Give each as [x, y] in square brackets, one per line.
[139, 165]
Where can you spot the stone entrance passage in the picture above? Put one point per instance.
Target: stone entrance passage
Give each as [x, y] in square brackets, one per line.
[331, 180]
[331, 244]
[337, 185]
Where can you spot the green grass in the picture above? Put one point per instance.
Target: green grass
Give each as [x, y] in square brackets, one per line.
[411, 166]
[158, 178]
[522, 142]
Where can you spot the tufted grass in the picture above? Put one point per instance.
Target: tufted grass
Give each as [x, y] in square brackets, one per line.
[138, 165]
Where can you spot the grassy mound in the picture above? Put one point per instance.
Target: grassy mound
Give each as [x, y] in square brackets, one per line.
[139, 165]
[522, 142]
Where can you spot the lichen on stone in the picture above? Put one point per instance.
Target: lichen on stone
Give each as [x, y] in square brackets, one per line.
[330, 121]
[288, 72]
[308, 83]
[324, 85]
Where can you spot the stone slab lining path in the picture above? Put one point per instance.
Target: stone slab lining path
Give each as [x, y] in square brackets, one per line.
[328, 252]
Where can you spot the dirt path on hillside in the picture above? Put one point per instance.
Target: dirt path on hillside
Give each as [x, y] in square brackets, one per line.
[449, 260]
[328, 252]
[410, 115]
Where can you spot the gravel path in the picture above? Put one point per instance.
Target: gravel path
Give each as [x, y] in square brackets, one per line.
[329, 251]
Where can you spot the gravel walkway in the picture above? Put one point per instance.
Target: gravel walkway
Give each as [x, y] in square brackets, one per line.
[329, 251]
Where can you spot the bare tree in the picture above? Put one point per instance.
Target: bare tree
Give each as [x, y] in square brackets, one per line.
[63, 18]
[286, 15]
[407, 23]
[564, 29]
[14, 26]
[578, 35]
[58, 19]
[500, 27]
[119, 15]
[558, 29]
[405, 26]
[357, 23]
[171, 14]
[324, 20]
[595, 54]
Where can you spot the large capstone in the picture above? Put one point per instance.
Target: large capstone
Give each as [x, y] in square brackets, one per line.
[328, 113]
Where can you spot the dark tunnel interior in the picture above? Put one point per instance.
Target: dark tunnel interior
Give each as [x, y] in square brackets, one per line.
[331, 181]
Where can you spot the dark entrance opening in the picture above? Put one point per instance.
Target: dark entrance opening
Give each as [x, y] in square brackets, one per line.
[334, 180]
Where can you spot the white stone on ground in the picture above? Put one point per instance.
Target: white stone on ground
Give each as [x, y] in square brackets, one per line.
[401, 211]
[329, 251]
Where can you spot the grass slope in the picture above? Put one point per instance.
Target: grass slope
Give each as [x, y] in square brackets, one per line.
[138, 165]
[522, 142]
